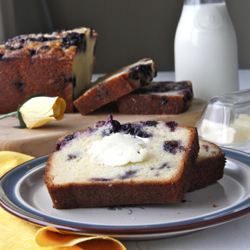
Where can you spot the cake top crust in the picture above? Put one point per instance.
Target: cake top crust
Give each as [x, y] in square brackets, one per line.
[144, 69]
[64, 40]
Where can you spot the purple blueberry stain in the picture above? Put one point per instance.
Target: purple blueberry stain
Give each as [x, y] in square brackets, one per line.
[128, 174]
[164, 101]
[127, 128]
[151, 123]
[32, 52]
[89, 131]
[173, 147]
[74, 39]
[64, 141]
[98, 93]
[206, 147]
[135, 129]
[182, 88]
[164, 165]
[18, 85]
[69, 39]
[71, 157]
[99, 124]
[134, 75]
[45, 47]
[100, 179]
[142, 73]
[172, 125]
[170, 146]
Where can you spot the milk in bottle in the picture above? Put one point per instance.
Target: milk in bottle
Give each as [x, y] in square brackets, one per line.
[206, 48]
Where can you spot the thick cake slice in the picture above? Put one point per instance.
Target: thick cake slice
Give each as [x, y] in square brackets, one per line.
[112, 164]
[116, 84]
[210, 166]
[58, 64]
[158, 98]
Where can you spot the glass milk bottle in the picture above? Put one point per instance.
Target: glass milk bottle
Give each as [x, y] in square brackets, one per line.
[206, 48]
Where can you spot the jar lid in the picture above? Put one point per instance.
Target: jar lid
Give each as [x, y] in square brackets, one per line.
[225, 120]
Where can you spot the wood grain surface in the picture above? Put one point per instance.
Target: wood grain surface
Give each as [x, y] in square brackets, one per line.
[41, 141]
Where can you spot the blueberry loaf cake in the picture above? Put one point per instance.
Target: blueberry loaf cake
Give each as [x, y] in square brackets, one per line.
[116, 84]
[113, 164]
[158, 98]
[58, 64]
[210, 166]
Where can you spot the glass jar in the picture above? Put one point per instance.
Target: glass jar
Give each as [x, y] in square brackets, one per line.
[206, 48]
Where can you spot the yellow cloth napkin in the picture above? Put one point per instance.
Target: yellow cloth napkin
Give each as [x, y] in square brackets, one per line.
[17, 234]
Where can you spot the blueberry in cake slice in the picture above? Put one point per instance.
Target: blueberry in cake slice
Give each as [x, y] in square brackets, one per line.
[116, 84]
[158, 98]
[122, 164]
[58, 64]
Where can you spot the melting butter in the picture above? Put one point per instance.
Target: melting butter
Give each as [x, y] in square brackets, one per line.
[119, 149]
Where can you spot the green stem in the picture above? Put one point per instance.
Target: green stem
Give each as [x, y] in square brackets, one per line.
[7, 115]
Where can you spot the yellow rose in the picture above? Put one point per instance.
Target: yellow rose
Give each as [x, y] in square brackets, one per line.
[40, 110]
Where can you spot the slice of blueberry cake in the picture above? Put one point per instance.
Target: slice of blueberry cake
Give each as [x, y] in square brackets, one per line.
[210, 165]
[58, 64]
[116, 84]
[122, 164]
[158, 98]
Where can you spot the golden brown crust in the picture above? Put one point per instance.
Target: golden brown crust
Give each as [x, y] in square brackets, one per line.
[23, 77]
[116, 84]
[104, 194]
[104, 93]
[36, 63]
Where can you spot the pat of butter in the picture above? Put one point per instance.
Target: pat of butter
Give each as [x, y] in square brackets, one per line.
[242, 121]
[118, 149]
[221, 133]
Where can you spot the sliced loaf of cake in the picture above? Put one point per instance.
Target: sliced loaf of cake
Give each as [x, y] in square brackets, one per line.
[58, 64]
[113, 164]
[158, 98]
[116, 84]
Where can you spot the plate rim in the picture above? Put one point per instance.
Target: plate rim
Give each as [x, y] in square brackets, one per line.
[126, 230]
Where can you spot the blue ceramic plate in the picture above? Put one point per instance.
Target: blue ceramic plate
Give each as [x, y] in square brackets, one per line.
[24, 194]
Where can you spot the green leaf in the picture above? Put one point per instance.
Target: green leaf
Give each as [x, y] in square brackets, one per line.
[19, 116]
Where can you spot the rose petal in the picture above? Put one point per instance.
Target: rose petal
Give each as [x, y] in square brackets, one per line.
[38, 111]
[52, 237]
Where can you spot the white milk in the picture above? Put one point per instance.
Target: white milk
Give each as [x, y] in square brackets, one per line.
[206, 50]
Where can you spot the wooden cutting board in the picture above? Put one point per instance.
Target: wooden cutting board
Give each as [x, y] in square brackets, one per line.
[41, 141]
